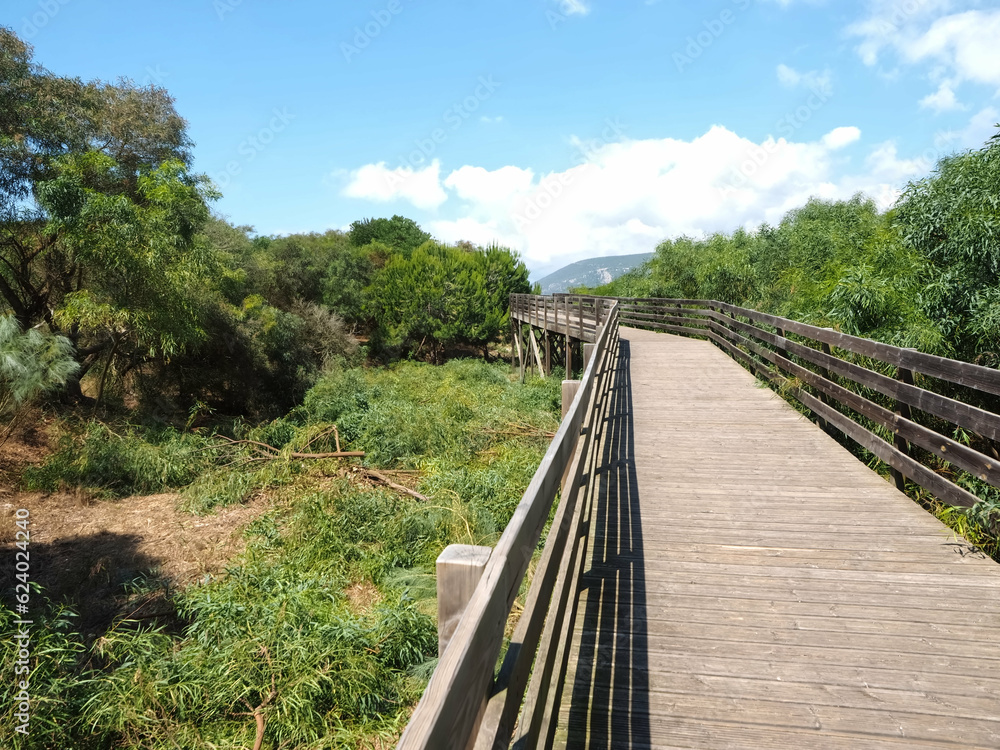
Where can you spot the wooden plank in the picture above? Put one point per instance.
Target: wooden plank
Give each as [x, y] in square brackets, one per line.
[985, 467]
[534, 349]
[969, 417]
[769, 591]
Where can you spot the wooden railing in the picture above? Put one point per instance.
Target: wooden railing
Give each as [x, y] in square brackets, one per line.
[860, 387]
[894, 402]
[576, 316]
[468, 703]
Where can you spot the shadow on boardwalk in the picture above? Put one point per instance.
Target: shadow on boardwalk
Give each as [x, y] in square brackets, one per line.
[610, 694]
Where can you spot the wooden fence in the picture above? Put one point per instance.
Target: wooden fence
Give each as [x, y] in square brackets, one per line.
[900, 404]
[468, 703]
[932, 420]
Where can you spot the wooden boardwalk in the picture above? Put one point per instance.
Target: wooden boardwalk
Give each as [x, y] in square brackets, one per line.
[751, 585]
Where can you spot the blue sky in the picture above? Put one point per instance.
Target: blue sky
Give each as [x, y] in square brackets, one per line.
[563, 128]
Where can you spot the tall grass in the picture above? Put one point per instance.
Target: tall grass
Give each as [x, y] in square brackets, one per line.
[279, 632]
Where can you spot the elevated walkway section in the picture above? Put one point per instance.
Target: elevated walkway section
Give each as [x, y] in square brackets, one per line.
[750, 584]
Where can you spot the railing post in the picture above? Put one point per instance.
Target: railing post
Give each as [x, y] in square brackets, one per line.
[569, 389]
[902, 410]
[588, 352]
[459, 569]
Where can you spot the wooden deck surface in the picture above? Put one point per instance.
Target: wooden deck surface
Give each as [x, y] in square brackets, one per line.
[752, 585]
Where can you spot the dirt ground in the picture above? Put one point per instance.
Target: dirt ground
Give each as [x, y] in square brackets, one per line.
[90, 552]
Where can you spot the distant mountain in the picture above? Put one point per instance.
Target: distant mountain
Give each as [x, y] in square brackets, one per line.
[591, 272]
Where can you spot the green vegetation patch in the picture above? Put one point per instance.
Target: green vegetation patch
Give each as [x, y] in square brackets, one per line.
[324, 626]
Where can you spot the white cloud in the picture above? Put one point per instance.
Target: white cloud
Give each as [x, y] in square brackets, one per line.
[481, 186]
[942, 100]
[813, 79]
[376, 182]
[982, 126]
[840, 137]
[956, 45]
[573, 7]
[630, 194]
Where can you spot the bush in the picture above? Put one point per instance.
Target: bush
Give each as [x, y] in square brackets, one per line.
[118, 465]
[31, 363]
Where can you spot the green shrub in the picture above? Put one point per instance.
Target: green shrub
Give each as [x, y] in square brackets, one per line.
[119, 465]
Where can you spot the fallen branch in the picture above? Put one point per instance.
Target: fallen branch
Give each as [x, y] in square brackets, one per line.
[333, 454]
[520, 429]
[379, 477]
[258, 712]
[269, 451]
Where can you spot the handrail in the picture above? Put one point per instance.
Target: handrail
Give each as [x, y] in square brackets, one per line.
[462, 704]
[839, 391]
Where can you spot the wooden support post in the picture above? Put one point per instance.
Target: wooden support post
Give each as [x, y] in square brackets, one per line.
[588, 352]
[520, 349]
[822, 396]
[534, 349]
[569, 389]
[568, 349]
[781, 349]
[513, 345]
[548, 349]
[459, 569]
[903, 410]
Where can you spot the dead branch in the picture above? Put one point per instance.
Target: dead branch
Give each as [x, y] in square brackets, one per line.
[269, 451]
[379, 477]
[258, 712]
[333, 454]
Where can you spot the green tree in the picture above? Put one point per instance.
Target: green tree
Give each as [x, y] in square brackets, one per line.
[399, 233]
[952, 218]
[31, 363]
[98, 212]
[441, 296]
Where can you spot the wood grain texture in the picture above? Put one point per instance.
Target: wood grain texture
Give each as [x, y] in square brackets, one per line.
[749, 584]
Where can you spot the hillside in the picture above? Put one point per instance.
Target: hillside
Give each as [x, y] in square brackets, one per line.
[591, 272]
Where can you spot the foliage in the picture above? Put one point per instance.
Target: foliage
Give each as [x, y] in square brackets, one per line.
[31, 363]
[342, 670]
[952, 218]
[841, 264]
[278, 625]
[401, 234]
[97, 212]
[121, 464]
[58, 681]
[440, 296]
